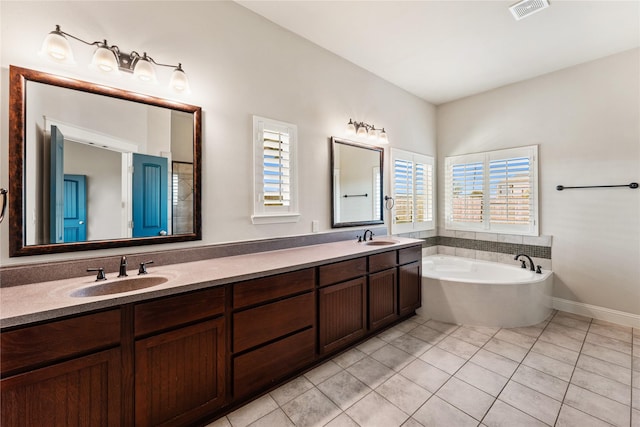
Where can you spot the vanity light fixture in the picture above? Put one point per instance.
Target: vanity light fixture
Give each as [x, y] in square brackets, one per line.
[111, 60]
[362, 129]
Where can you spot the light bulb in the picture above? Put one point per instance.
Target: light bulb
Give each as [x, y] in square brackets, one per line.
[179, 81]
[362, 131]
[144, 70]
[56, 47]
[373, 134]
[383, 138]
[104, 59]
[351, 128]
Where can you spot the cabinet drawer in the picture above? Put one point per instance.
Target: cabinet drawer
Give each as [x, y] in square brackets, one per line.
[405, 256]
[178, 310]
[262, 367]
[261, 324]
[341, 271]
[269, 288]
[40, 344]
[383, 261]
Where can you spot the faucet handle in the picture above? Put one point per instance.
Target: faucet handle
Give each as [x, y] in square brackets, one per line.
[539, 269]
[143, 267]
[523, 263]
[100, 275]
[359, 239]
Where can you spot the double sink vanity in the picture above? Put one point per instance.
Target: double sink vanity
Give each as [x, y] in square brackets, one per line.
[189, 342]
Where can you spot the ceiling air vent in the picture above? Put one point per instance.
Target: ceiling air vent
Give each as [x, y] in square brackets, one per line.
[525, 8]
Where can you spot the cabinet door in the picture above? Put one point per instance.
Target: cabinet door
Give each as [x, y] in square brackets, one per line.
[410, 286]
[180, 374]
[383, 301]
[81, 392]
[342, 314]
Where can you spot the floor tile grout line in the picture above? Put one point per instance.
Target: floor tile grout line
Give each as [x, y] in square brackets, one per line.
[550, 318]
[371, 390]
[444, 336]
[570, 383]
[457, 370]
[564, 396]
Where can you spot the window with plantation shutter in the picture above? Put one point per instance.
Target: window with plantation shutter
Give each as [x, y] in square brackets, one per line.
[275, 198]
[412, 186]
[494, 191]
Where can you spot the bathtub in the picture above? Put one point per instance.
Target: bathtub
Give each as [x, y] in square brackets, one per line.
[483, 293]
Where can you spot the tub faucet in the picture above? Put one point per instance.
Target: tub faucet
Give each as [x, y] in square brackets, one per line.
[364, 236]
[123, 267]
[532, 268]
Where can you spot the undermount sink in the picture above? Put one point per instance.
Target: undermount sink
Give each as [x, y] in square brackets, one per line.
[118, 286]
[381, 242]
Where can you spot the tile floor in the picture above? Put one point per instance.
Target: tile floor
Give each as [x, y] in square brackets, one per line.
[567, 371]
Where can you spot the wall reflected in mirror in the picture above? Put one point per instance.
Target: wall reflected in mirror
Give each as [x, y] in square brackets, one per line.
[100, 194]
[356, 183]
[99, 167]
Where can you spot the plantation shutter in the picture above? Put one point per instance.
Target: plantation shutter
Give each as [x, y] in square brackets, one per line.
[274, 163]
[412, 185]
[510, 195]
[424, 192]
[467, 186]
[276, 168]
[403, 191]
[493, 191]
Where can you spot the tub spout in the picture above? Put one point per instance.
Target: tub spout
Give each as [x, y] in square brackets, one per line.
[531, 264]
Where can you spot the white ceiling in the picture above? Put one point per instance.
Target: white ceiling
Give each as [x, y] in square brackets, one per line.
[445, 50]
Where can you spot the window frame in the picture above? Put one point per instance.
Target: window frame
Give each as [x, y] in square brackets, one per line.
[531, 228]
[414, 158]
[263, 214]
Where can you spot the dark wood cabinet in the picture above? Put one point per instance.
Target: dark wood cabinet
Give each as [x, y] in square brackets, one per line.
[409, 279]
[84, 391]
[263, 367]
[172, 312]
[65, 372]
[180, 374]
[180, 370]
[343, 314]
[274, 330]
[179, 359]
[383, 298]
[409, 288]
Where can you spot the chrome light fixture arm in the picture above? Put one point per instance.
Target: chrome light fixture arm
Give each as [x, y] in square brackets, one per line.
[365, 129]
[132, 62]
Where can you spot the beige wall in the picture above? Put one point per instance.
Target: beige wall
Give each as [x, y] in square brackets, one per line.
[239, 64]
[586, 120]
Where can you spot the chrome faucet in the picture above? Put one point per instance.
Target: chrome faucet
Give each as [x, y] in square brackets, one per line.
[364, 236]
[532, 268]
[123, 267]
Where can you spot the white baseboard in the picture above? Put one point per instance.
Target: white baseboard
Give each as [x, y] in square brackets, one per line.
[600, 313]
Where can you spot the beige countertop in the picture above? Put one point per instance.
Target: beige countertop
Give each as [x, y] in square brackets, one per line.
[21, 305]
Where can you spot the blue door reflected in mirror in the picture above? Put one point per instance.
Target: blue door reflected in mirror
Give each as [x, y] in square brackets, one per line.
[149, 195]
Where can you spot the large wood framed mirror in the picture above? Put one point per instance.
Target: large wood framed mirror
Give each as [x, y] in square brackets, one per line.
[356, 171]
[93, 167]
